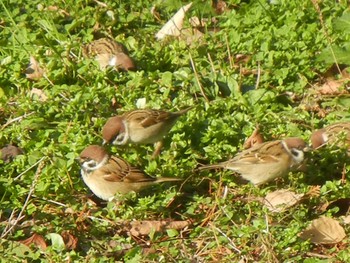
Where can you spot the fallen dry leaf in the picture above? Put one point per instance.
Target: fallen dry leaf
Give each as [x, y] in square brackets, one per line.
[69, 240]
[335, 70]
[196, 22]
[143, 228]
[242, 58]
[52, 8]
[9, 152]
[35, 239]
[324, 230]
[314, 191]
[331, 87]
[55, 9]
[174, 25]
[220, 6]
[34, 71]
[191, 35]
[281, 200]
[254, 139]
[39, 94]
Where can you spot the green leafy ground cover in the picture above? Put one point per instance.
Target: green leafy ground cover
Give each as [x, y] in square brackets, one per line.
[287, 47]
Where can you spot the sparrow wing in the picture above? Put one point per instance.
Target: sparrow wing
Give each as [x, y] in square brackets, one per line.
[105, 46]
[118, 170]
[155, 116]
[268, 152]
[339, 132]
[158, 116]
[257, 159]
[148, 118]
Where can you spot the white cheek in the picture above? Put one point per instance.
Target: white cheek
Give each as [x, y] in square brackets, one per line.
[324, 137]
[299, 157]
[89, 165]
[93, 165]
[123, 138]
[120, 139]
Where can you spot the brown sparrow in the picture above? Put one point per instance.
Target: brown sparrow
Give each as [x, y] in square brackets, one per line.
[337, 133]
[140, 126]
[107, 175]
[108, 52]
[264, 162]
[9, 152]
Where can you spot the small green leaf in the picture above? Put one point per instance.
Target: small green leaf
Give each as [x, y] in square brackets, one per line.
[342, 24]
[172, 232]
[57, 242]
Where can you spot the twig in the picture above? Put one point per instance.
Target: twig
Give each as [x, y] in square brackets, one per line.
[267, 223]
[231, 244]
[51, 201]
[311, 254]
[212, 65]
[101, 3]
[224, 195]
[47, 78]
[16, 119]
[230, 59]
[318, 9]
[258, 77]
[197, 78]
[11, 225]
[94, 218]
[19, 176]
[343, 174]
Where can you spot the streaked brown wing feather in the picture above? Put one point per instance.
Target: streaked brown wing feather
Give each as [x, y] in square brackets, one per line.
[338, 131]
[105, 46]
[148, 118]
[118, 170]
[260, 151]
[259, 159]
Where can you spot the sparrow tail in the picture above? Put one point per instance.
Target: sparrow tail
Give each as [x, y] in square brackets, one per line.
[167, 179]
[209, 167]
[181, 112]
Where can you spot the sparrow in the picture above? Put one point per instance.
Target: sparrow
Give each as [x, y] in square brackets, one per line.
[140, 126]
[9, 152]
[266, 161]
[108, 52]
[335, 134]
[107, 175]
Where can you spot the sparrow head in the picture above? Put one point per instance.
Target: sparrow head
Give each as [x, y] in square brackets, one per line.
[296, 147]
[318, 138]
[93, 157]
[114, 130]
[122, 61]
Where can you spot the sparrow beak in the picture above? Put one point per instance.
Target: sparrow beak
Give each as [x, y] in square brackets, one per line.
[77, 159]
[307, 148]
[104, 142]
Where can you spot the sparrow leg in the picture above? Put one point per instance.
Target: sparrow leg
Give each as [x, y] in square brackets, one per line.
[157, 148]
[343, 174]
